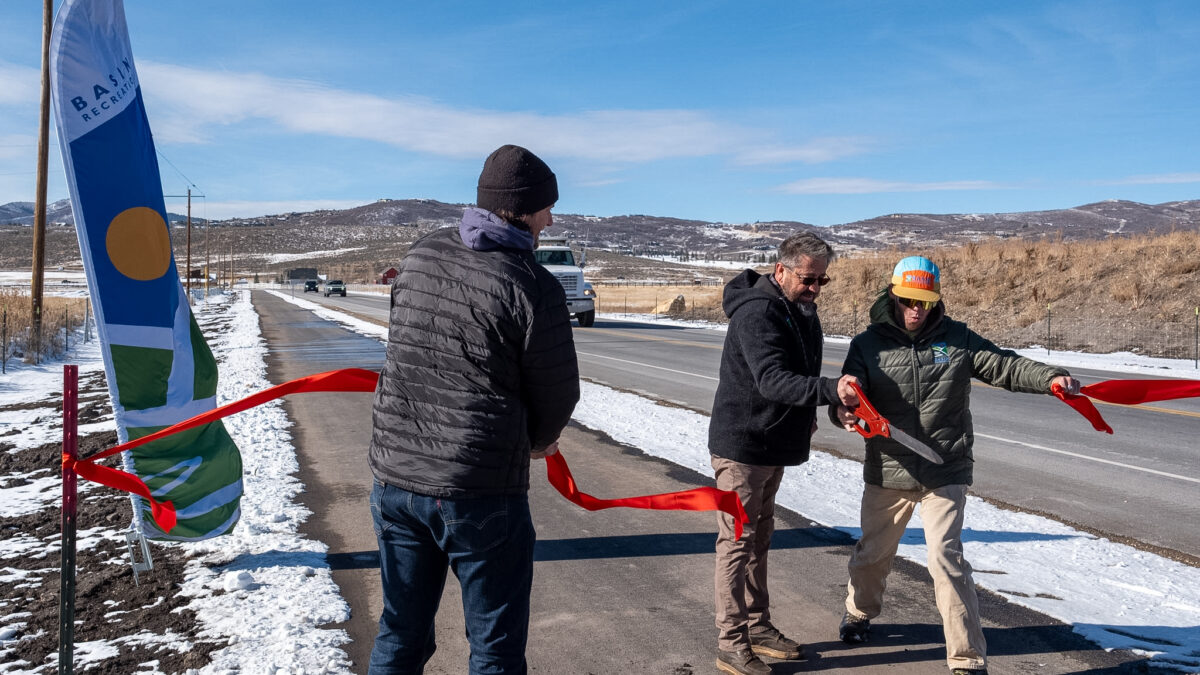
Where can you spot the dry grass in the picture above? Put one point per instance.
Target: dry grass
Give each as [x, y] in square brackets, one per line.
[1122, 293]
[690, 301]
[1005, 287]
[59, 315]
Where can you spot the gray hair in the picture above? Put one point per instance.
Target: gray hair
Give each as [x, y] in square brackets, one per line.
[804, 245]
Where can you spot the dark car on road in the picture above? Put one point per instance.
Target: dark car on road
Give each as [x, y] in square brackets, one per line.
[310, 285]
[335, 287]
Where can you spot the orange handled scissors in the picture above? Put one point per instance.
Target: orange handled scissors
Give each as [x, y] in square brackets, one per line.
[877, 425]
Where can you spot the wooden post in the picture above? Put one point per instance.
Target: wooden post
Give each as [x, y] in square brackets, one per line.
[66, 593]
[188, 274]
[207, 264]
[39, 209]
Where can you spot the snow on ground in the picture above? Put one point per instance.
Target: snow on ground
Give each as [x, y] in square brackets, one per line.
[277, 588]
[288, 257]
[9, 278]
[57, 283]
[719, 264]
[278, 591]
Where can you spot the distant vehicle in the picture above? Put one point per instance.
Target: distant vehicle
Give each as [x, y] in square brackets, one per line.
[335, 287]
[310, 285]
[556, 256]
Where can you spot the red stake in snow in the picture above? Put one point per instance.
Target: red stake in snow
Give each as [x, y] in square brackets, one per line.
[66, 593]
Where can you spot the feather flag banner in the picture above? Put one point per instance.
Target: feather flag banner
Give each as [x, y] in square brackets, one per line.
[160, 370]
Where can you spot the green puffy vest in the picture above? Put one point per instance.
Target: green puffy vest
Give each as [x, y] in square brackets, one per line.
[922, 384]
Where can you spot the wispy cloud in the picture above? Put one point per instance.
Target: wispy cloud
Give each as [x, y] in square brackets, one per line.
[19, 85]
[188, 103]
[862, 186]
[13, 146]
[1156, 179]
[817, 151]
[599, 182]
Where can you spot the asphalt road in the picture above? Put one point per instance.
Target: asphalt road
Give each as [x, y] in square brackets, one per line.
[624, 590]
[1033, 452]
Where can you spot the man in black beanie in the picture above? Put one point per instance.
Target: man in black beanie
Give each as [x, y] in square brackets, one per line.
[480, 377]
[516, 184]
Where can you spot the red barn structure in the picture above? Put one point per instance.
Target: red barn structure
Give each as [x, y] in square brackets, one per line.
[388, 275]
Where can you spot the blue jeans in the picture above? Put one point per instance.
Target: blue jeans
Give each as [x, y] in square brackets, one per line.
[487, 542]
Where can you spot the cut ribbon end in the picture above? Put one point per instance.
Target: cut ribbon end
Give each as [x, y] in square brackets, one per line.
[1084, 406]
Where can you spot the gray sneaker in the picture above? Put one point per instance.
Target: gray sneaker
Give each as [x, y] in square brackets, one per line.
[854, 629]
[741, 662]
[768, 641]
[968, 671]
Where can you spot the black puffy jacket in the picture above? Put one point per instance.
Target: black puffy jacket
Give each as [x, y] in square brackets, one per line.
[770, 382]
[481, 365]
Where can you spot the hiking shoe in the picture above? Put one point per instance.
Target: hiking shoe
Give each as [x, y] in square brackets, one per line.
[768, 641]
[968, 671]
[741, 662]
[854, 630]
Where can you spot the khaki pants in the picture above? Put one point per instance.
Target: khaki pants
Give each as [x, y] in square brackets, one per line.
[741, 594]
[885, 515]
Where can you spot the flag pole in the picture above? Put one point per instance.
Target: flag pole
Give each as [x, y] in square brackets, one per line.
[66, 592]
[39, 208]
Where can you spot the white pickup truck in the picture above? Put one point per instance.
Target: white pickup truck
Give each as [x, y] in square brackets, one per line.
[555, 255]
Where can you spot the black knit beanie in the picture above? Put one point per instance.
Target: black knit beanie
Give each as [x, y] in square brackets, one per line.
[515, 180]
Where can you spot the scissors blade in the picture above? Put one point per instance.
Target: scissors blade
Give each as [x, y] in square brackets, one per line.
[914, 445]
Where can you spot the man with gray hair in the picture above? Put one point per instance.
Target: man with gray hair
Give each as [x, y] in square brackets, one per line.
[763, 417]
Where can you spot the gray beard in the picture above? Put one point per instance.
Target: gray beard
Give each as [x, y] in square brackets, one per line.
[807, 309]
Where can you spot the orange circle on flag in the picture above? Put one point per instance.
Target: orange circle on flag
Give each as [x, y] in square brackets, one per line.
[138, 244]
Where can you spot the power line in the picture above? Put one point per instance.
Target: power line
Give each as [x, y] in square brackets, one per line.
[186, 180]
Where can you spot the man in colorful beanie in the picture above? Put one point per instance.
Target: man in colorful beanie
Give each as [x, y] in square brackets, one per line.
[480, 377]
[915, 365]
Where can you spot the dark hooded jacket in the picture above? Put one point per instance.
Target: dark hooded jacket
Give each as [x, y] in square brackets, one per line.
[481, 365]
[922, 384]
[770, 382]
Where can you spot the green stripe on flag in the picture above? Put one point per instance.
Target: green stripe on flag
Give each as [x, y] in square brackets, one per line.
[205, 381]
[198, 470]
[142, 374]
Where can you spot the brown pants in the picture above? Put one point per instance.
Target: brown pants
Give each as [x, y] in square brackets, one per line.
[741, 594]
[885, 515]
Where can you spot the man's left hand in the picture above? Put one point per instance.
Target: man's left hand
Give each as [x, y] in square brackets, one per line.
[1068, 383]
[545, 452]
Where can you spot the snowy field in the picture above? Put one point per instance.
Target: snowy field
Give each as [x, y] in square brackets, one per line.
[269, 606]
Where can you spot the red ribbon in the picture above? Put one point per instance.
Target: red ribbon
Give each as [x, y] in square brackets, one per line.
[696, 499]
[1124, 392]
[360, 380]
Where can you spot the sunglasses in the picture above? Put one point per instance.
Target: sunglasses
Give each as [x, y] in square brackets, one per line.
[809, 281]
[926, 305]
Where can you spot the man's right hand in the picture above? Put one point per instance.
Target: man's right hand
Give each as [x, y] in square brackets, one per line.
[847, 417]
[846, 393]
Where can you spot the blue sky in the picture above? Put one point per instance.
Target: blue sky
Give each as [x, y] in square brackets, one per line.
[821, 112]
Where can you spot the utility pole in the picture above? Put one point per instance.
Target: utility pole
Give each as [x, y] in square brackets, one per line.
[206, 262]
[39, 209]
[188, 273]
[189, 246]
